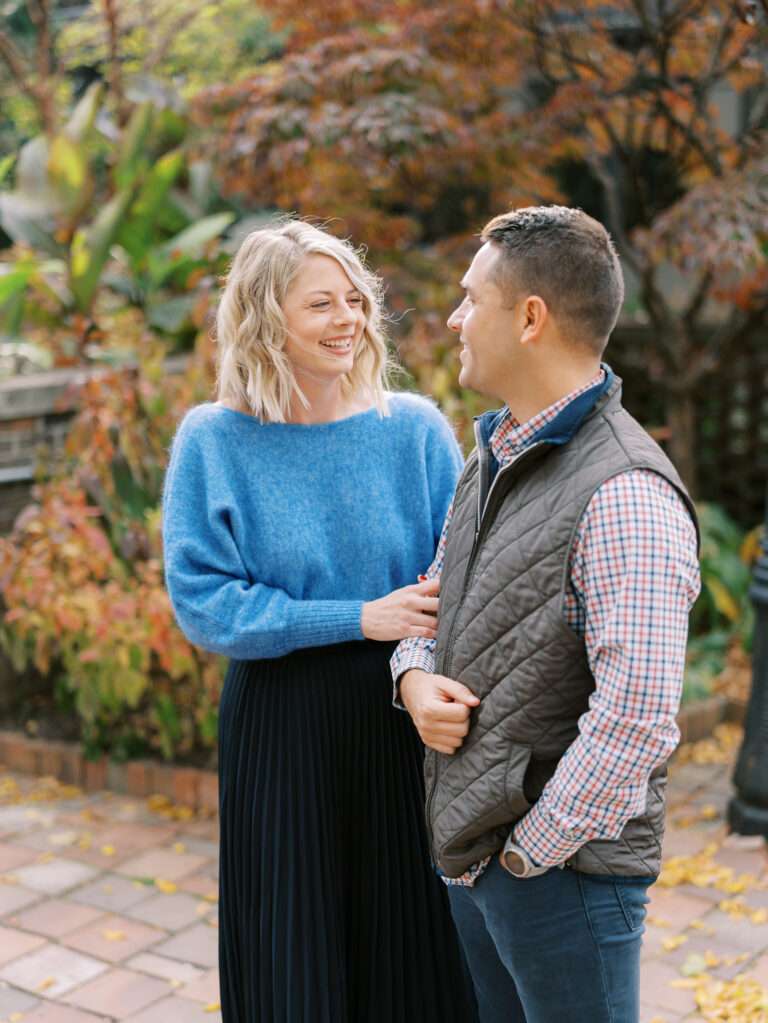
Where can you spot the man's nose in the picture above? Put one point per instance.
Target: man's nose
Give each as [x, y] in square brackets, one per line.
[455, 320]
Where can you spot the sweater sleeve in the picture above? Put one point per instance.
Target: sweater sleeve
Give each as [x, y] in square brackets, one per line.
[217, 605]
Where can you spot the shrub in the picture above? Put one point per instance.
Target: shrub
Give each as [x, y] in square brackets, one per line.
[81, 575]
[723, 616]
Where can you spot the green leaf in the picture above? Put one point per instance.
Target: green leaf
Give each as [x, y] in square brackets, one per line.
[171, 314]
[32, 169]
[132, 157]
[191, 242]
[134, 498]
[29, 220]
[14, 280]
[83, 116]
[69, 172]
[5, 165]
[90, 249]
[136, 233]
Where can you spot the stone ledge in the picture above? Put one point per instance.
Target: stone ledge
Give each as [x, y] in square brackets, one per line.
[199, 789]
[186, 786]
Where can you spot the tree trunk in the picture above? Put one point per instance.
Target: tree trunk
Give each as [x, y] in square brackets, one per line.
[681, 419]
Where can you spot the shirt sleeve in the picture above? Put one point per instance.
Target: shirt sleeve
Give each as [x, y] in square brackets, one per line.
[216, 604]
[634, 577]
[444, 465]
[416, 651]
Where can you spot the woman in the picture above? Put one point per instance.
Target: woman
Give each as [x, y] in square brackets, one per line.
[299, 509]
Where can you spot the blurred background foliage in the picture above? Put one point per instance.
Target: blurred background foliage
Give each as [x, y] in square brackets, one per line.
[140, 142]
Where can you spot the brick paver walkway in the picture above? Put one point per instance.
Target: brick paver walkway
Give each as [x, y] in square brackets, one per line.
[108, 909]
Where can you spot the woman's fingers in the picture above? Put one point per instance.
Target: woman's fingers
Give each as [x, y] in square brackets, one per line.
[422, 632]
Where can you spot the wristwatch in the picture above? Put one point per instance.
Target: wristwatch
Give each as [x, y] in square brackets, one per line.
[518, 863]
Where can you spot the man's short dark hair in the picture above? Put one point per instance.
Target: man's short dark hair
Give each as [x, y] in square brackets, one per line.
[568, 259]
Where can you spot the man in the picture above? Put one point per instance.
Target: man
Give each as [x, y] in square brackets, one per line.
[568, 567]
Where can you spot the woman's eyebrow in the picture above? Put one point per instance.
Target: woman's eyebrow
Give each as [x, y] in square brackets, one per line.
[319, 291]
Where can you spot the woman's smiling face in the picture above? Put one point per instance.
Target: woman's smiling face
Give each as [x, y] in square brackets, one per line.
[325, 320]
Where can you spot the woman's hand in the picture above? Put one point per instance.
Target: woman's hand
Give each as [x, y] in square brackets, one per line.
[410, 611]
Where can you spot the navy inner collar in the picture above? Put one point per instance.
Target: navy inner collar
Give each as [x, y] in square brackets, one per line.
[565, 424]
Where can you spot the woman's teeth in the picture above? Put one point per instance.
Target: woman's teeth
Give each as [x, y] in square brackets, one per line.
[346, 343]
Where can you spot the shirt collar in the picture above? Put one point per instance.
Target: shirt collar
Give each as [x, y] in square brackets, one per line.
[509, 437]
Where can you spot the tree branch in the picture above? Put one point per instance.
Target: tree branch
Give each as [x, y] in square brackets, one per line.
[19, 68]
[698, 299]
[115, 75]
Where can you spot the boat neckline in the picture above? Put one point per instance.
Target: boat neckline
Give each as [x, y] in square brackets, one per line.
[248, 417]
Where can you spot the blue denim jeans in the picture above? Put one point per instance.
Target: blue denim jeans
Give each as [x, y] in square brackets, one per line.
[563, 947]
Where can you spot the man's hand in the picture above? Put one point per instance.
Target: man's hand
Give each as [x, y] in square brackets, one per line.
[439, 707]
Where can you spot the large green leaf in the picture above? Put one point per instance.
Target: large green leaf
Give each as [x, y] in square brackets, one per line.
[191, 242]
[29, 220]
[171, 314]
[136, 232]
[70, 176]
[182, 253]
[91, 246]
[132, 158]
[32, 170]
[79, 125]
[13, 280]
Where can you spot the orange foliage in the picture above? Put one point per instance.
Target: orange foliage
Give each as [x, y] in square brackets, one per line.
[81, 573]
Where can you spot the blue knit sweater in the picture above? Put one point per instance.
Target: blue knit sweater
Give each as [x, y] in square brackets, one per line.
[276, 533]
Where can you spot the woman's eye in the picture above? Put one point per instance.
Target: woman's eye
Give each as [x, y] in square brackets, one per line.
[319, 305]
[357, 300]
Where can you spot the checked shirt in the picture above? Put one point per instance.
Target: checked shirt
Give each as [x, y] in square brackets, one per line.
[633, 578]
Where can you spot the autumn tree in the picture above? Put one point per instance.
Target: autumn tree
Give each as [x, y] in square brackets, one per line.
[664, 105]
[408, 124]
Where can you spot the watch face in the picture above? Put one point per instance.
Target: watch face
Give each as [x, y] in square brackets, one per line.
[515, 864]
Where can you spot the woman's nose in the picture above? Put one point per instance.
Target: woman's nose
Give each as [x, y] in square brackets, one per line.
[344, 314]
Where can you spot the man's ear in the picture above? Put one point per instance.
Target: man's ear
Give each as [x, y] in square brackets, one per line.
[535, 316]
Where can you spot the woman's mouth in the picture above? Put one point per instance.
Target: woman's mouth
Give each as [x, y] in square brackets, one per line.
[338, 344]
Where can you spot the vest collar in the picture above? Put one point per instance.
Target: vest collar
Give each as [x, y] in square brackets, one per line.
[567, 422]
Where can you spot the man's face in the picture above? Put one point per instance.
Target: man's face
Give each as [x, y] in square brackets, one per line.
[486, 329]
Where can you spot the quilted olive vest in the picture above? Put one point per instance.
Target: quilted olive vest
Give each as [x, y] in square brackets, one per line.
[502, 632]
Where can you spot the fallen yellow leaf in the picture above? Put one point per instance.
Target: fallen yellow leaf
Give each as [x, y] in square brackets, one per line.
[212, 1007]
[114, 935]
[686, 982]
[670, 944]
[108, 850]
[167, 887]
[45, 984]
[179, 847]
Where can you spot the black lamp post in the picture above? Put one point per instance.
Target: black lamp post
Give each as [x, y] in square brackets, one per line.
[748, 810]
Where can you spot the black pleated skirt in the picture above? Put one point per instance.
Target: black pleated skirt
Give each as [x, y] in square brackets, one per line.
[330, 911]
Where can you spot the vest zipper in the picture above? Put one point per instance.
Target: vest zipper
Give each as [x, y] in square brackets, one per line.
[482, 519]
[486, 518]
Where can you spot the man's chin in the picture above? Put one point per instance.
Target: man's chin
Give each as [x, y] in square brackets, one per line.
[465, 379]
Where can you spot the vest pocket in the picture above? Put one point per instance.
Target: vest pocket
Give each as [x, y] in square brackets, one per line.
[514, 781]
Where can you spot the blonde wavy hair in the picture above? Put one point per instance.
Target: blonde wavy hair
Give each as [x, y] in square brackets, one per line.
[253, 369]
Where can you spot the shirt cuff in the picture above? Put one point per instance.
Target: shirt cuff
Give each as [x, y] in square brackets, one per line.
[545, 844]
[402, 661]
